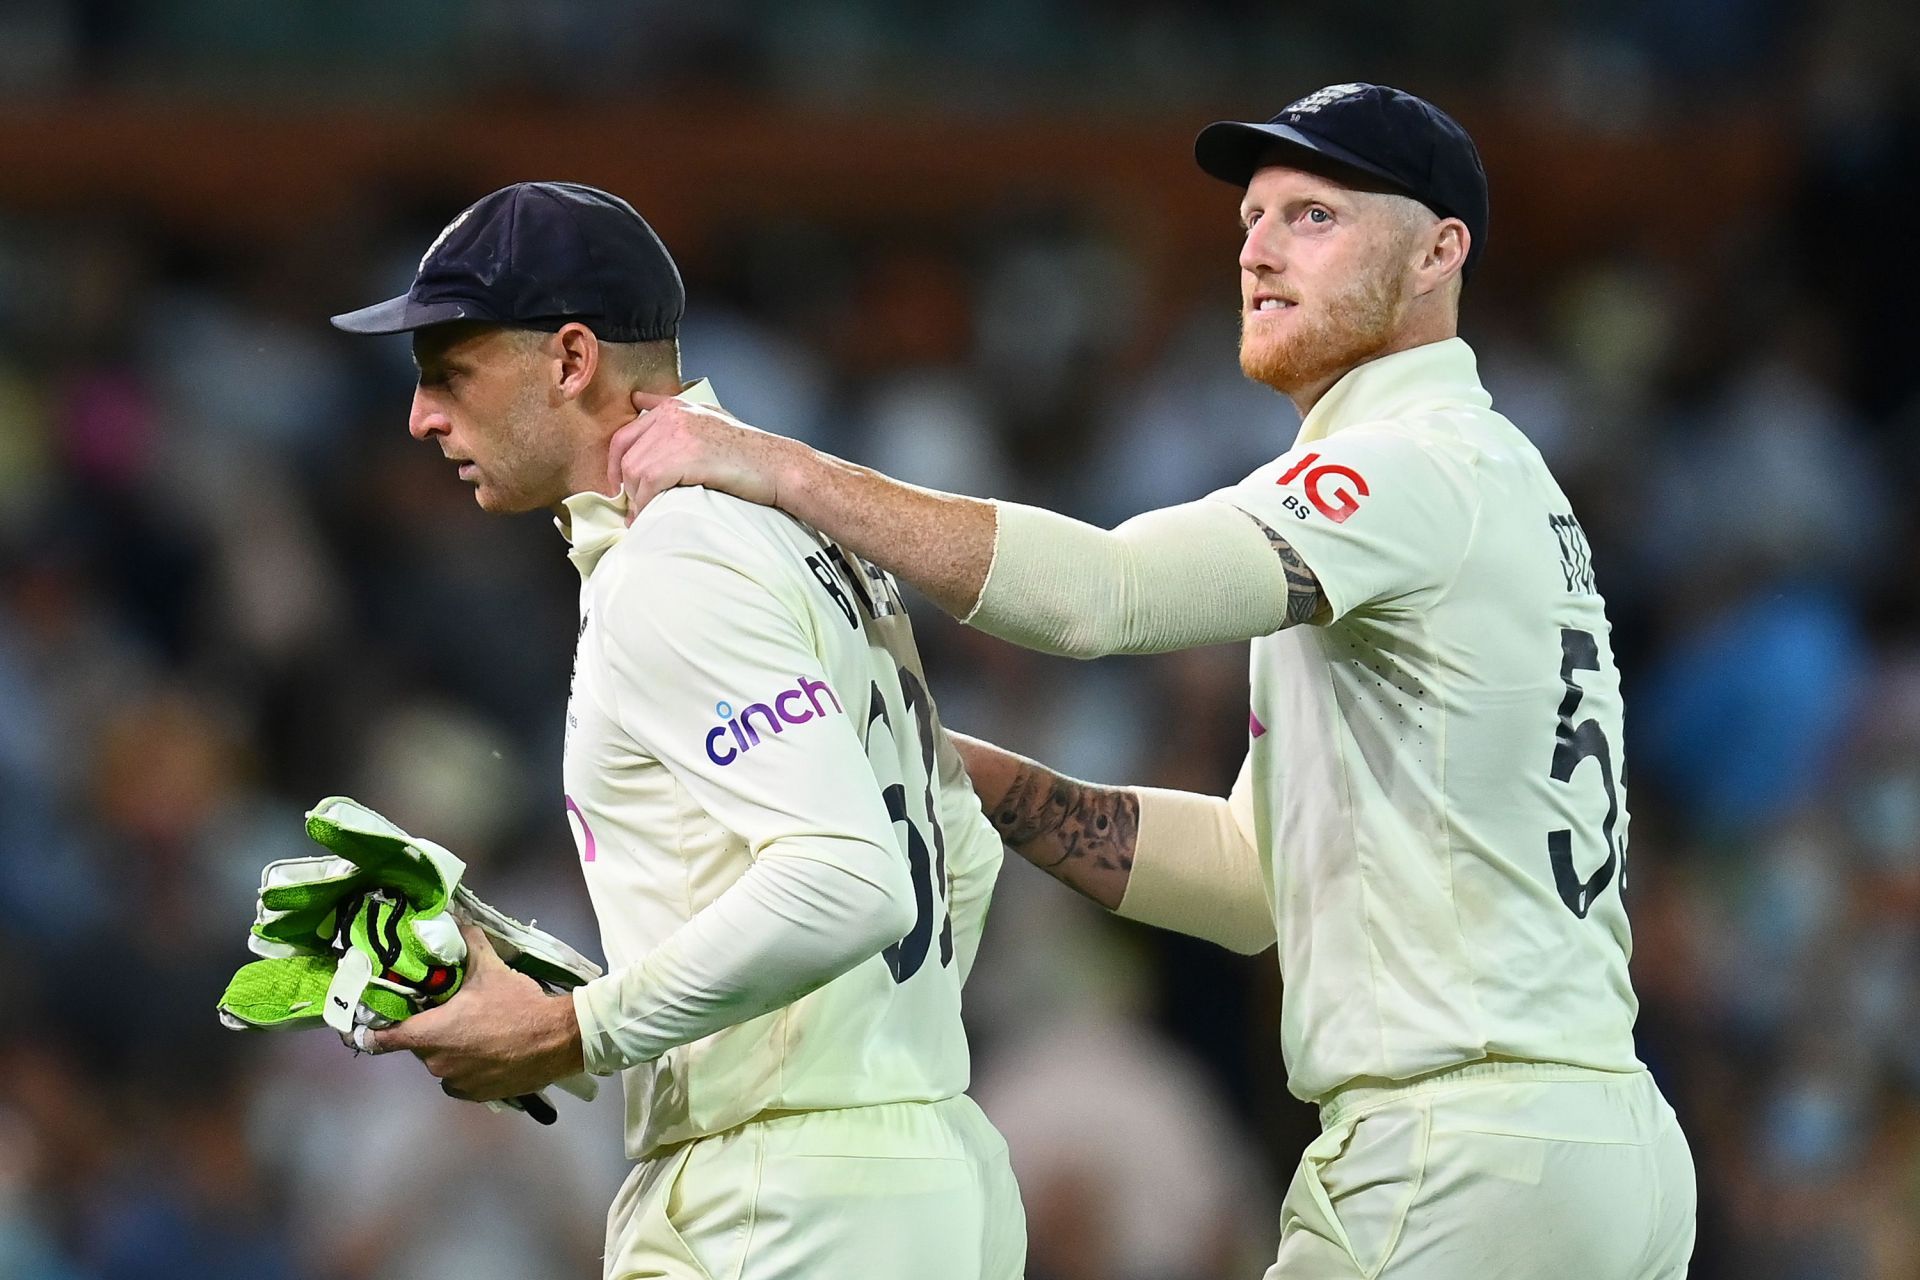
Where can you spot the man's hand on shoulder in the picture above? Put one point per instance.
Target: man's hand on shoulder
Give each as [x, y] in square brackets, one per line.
[939, 542]
[673, 443]
[502, 1036]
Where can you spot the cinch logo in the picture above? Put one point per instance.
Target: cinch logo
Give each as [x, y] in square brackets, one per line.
[1346, 501]
[789, 706]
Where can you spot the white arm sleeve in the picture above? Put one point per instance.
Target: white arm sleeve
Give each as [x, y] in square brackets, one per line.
[690, 618]
[1197, 871]
[787, 927]
[1195, 574]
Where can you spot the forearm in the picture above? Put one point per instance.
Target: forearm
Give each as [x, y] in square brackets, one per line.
[941, 543]
[1080, 833]
[1172, 859]
[787, 927]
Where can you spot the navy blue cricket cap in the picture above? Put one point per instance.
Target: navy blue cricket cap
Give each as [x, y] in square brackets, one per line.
[534, 256]
[1407, 143]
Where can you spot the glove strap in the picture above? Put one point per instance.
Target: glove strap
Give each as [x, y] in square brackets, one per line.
[350, 980]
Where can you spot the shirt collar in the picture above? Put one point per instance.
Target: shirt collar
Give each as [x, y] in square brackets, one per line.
[594, 521]
[1424, 377]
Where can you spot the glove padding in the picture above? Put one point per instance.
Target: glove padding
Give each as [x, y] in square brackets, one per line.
[300, 898]
[268, 995]
[381, 966]
[368, 935]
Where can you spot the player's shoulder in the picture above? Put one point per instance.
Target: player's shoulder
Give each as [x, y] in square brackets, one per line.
[1454, 434]
[692, 564]
[1399, 447]
[1472, 444]
[1481, 458]
[706, 523]
[695, 545]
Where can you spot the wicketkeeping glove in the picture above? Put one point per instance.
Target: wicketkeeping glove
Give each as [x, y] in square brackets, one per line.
[370, 934]
[385, 961]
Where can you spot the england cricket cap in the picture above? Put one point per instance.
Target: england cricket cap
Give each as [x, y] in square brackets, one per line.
[535, 256]
[1405, 142]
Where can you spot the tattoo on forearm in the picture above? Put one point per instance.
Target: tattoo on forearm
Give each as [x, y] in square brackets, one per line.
[1058, 820]
[1303, 588]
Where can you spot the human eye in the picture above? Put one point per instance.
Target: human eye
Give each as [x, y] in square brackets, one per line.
[438, 377]
[1248, 218]
[1317, 214]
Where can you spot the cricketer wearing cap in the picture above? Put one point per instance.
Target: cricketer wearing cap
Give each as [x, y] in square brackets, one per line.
[789, 866]
[1431, 821]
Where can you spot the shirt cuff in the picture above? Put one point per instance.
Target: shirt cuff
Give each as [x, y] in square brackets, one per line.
[597, 1050]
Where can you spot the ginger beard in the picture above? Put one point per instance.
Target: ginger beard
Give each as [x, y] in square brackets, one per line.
[1320, 339]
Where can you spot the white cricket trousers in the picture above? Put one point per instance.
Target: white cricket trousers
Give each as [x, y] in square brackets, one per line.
[908, 1189]
[1494, 1171]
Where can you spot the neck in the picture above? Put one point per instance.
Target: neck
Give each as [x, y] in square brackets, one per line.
[588, 471]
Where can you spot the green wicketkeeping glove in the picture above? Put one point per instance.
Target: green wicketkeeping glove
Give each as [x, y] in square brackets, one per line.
[379, 905]
[271, 994]
[300, 897]
[380, 972]
[369, 934]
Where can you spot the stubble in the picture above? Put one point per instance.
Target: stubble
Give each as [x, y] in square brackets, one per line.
[1352, 327]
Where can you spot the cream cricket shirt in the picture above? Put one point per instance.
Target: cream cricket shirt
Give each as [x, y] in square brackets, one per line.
[761, 795]
[1437, 779]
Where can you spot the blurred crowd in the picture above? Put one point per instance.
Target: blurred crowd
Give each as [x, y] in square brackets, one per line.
[981, 56]
[231, 585]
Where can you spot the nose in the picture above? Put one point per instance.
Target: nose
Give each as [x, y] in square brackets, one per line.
[1260, 251]
[424, 420]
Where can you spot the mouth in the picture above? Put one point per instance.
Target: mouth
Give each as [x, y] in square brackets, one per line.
[468, 470]
[1267, 303]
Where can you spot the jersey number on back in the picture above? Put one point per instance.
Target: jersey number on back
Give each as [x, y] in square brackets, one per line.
[905, 957]
[1572, 744]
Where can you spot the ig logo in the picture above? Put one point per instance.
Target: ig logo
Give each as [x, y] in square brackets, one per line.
[1345, 501]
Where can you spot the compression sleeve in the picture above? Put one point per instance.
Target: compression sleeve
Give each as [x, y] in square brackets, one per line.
[1199, 573]
[790, 925]
[1197, 871]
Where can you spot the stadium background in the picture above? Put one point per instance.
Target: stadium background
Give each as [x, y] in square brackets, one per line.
[964, 243]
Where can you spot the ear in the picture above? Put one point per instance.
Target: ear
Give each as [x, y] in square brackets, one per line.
[577, 358]
[1443, 253]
